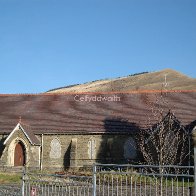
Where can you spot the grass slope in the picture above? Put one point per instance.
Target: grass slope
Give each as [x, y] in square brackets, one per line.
[166, 79]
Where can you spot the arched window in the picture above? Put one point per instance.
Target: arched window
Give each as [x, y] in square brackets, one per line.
[130, 152]
[55, 149]
[92, 148]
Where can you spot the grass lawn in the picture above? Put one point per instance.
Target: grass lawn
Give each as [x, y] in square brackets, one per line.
[10, 178]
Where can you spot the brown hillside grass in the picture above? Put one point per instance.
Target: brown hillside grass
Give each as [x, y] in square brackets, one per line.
[162, 80]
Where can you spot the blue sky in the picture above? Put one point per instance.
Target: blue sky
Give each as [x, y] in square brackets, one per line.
[52, 43]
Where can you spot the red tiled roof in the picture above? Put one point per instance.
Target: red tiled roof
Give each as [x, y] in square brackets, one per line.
[30, 134]
[60, 113]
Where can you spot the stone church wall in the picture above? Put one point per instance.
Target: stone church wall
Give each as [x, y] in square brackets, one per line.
[62, 151]
[31, 152]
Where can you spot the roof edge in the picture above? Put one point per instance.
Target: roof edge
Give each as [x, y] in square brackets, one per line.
[106, 92]
[18, 126]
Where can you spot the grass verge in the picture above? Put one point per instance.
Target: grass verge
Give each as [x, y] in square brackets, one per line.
[10, 178]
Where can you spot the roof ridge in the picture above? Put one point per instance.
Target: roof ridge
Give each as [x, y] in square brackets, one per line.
[106, 92]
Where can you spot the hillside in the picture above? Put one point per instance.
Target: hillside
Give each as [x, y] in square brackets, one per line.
[166, 79]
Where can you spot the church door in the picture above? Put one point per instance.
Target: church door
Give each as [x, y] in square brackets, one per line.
[19, 155]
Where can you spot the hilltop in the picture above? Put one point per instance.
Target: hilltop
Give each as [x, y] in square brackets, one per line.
[166, 79]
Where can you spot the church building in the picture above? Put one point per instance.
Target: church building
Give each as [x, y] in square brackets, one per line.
[58, 131]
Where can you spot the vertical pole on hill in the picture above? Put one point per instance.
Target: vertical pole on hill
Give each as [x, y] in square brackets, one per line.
[94, 179]
[194, 141]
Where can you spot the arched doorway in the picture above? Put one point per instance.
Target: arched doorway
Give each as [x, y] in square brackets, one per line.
[19, 154]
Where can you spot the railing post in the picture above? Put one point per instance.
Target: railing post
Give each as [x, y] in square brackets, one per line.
[23, 181]
[94, 179]
[194, 142]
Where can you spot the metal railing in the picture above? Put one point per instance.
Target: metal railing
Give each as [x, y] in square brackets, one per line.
[114, 180]
[142, 180]
[10, 190]
[56, 185]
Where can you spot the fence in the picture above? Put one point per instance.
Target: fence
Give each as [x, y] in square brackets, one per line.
[114, 180]
[142, 180]
[56, 185]
[10, 190]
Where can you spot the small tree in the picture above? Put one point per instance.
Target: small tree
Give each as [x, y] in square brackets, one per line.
[167, 141]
